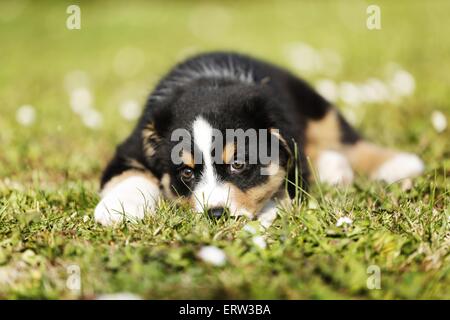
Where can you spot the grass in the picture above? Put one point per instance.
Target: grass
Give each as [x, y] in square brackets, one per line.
[49, 171]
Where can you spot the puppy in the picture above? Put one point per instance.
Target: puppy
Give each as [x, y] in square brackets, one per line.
[230, 134]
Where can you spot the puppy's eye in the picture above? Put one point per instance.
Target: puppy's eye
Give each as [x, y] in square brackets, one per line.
[237, 167]
[187, 174]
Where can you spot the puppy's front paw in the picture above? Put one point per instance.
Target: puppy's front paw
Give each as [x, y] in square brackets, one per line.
[130, 199]
[401, 166]
[112, 210]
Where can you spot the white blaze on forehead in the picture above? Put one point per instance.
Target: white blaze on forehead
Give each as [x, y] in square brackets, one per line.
[209, 191]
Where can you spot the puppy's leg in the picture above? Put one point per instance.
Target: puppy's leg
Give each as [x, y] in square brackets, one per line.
[333, 168]
[324, 148]
[383, 164]
[127, 196]
[336, 150]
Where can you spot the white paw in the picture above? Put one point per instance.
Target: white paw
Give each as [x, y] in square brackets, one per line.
[334, 168]
[401, 166]
[130, 200]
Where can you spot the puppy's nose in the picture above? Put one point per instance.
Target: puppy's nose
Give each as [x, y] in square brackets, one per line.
[216, 212]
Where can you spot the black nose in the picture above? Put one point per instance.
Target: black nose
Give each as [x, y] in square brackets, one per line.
[216, 212]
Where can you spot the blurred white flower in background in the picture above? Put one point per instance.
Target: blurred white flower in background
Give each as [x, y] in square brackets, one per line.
[304, 58]
[212, 255]
[379, 91]
[128, 61]
[403, 83]
[308, 60]
[328, 89]
[331, 62]
[344, 220]
[26, 115]
[351, 115]
[119, 296]
[260, 242]
[439, 121]
[80, 100]
[92, 118]
[250, 229]
[349, 93]
[130, 109]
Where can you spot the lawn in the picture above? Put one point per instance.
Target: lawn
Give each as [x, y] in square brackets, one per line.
[368, 241]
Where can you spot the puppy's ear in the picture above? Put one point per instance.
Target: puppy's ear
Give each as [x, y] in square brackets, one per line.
[257, 106]
[295, 164]
[162, 119]
[284, 145]
[154, 126]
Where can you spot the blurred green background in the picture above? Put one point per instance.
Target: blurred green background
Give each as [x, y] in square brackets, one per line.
[67, 97]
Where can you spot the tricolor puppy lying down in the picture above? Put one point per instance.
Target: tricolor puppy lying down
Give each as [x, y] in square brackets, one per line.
[229, 134]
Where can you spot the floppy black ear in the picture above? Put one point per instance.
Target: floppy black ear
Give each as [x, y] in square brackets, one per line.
[162, 119]
[257, 106]
[295, 163]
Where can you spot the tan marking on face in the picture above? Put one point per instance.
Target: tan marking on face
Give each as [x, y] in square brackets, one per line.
[366, 157]
[187, 159]
[167, 187]
[126, 174]
[323, 134]
[150, 139]
[170, 193]
[228, 152]
[253, 199]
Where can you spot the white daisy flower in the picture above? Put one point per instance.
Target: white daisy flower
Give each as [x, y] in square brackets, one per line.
[212, 255]
[343, 220]
[439, 121]
[312, 204]
[26, 115]
[249, 229]
[260, 242]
